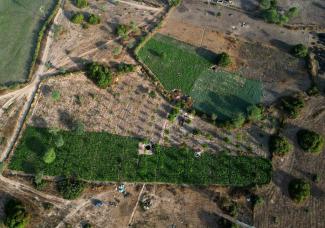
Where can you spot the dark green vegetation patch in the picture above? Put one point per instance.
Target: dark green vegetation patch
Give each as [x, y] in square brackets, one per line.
[299, 190]
[225, 94]
[20, 23]
[107, 157]
[16, 214]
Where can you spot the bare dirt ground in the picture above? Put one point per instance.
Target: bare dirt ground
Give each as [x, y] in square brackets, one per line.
[279, 210]
[73, 44]
[125, 109]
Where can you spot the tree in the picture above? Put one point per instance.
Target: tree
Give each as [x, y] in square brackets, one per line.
[49, 156]
[254, 113]
[310, 141]
[99, 74]
[292, 105]
[224, 59]
[81, 3]
[299, 51]
[93, 19]
[77, 18]
[16, 214]
[299, 190]
[279, 145]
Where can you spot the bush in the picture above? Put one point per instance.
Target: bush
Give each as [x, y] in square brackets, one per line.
[310, 141]
[299, 50]
[279, 145]
[77, 18]
[93, 19]
[313, 91]
[117, 50]
[254, 113]
[16, 214]
[59, 142]
[125, 68]
[292, 12]
[56, 95]
[238, 120]
[265, 4]
[224, 59]
[173, 114]
[122, 30]
[38, 181]
[271, 15]
[49, 156]
[79, 128]
[299, 190]
[99, 74]
[174, 2]
[81, 3]
[70, 188]
[292, 105]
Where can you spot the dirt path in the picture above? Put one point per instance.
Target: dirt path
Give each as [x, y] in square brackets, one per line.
[29, 92]
[140, 6]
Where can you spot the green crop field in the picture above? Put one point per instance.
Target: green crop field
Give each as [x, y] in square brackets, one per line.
[224, 93]
[181, 66]
[107, 157]
[176, 64]
[20, 22]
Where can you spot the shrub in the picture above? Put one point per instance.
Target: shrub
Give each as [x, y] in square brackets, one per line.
[174, 2]
[238, 120]
[292, 105]
[125, 68]
[254, 113]
[49, 156]
[313, 91]
[299, 50]
[117, 50]
[310, 141]
[81, 3]
[93, 19]
[99, 74]
[79, 128]
[299, 190]
[279, 145]
[70, 188]
[265, 4]
[122, 30]
[257, 200]
[292, 12]
[224, 59]
[16, 214]
[59, 142]
[38, 181]
[77, 18]
[56, 95]
[173, 113]
[271, 15]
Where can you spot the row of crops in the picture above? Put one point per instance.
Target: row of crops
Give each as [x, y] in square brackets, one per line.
[106, 157]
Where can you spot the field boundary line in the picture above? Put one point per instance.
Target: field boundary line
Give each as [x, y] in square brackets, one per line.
[136, 205]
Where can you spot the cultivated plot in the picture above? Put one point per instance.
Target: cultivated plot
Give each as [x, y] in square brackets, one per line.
[225, 94]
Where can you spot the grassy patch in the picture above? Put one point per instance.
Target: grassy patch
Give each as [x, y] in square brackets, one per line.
[225, 94]
[21, 20]
[108, 157]
[176, 64]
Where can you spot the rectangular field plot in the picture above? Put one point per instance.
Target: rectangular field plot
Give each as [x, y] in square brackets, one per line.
[176, 64]
[20, 22]
[106, 157]
[225, 94]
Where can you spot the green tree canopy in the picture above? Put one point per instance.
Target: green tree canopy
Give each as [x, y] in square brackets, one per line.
[49, 156]
[299, 190]
[310, 141]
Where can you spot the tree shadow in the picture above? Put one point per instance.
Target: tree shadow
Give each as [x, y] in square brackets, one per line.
[281, 45]
[208, 219]
[210, 56]
[66, 119]
[36, 145]
[39, 121]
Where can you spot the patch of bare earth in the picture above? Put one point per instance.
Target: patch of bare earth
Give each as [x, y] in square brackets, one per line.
[125, 108]
[73, 43]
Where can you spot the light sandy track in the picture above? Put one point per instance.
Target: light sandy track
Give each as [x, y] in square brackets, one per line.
[140, 6]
